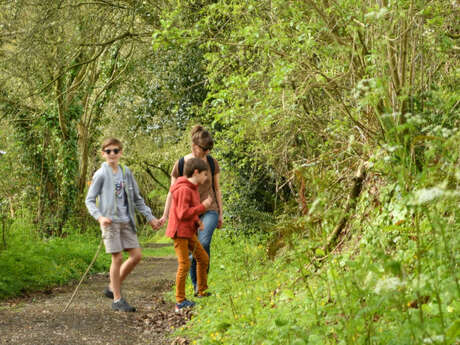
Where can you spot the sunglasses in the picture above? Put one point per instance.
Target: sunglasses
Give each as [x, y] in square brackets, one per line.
[204, 148]
[115, 151]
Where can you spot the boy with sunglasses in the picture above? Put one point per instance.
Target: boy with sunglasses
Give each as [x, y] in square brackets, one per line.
[118, 195]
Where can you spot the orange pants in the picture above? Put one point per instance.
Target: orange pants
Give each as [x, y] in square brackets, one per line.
[182, 246]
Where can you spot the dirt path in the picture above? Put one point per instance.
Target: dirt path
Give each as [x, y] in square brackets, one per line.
[38, 319]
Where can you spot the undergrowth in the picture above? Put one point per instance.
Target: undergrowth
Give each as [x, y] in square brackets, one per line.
[393, 280]
[30, 263]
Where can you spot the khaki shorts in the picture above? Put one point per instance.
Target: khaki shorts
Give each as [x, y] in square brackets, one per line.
[118, 237]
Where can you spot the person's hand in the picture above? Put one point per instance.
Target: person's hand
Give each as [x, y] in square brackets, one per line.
[104, 221]
[200, 225]
[207, 202]
[155, 224]
[163, 220]
[220, 221]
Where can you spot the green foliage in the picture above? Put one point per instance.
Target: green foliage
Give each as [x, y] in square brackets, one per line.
[30, 263]
[297, 95]
[170, 98]
[76, 56]
[394, 284]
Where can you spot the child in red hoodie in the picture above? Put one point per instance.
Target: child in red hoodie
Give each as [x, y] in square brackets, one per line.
[182, 228]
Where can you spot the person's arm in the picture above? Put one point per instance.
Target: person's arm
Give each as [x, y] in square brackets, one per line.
[219, 200]
[93, 192]
[206, 203]
[184, 209]
[164, 218]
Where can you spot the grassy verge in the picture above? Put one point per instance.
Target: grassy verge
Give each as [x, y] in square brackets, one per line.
[390, 284]
[167, 251]
[155, 244]
[30, 263]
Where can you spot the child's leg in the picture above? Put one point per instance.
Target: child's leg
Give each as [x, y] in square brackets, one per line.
[210, 220]
[130, 243]
[112, 242]
[117, 259]
[181, 249]
[135, 256]
[202, 259]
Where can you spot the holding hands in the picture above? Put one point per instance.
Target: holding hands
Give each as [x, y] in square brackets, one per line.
[163, 220]
[206, 203]
[156, 223]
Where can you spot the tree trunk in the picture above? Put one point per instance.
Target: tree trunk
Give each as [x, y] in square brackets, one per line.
[351, 205]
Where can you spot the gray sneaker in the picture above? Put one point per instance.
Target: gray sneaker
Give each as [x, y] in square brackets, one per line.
[122, 305]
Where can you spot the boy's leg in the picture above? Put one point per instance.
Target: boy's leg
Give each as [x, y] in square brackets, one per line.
[202, 259]
[209, 219]
[181, 249]
[130, 243]
[117, 259]
[135, 256]
[112, 242]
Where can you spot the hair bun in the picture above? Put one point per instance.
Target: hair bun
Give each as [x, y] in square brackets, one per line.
[201, 137]
[196, 129]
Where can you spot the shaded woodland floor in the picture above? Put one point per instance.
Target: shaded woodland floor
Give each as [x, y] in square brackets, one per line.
[38, 318]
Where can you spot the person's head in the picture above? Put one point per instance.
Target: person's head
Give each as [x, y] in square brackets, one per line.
[202, 141]
[196, 169]
[111, 150]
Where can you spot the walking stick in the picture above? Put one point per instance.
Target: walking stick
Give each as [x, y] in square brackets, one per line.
[83, 276]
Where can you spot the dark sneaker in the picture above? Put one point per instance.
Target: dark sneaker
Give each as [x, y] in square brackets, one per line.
[183, 305]
[204, 294]
[108, 293]
[122, 305]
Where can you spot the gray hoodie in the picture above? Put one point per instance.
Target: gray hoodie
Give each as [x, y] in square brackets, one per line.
[103, 187]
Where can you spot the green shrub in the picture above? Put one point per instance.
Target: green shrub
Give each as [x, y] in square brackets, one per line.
[30, 263]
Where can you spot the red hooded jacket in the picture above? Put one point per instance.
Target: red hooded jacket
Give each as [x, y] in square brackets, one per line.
[185, 209]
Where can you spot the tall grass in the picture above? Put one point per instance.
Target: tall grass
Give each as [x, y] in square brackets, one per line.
[31, 263]
[393, 281]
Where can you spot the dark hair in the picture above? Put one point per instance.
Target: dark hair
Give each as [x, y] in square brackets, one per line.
[193, 164]
[202, 137]
[112, 141]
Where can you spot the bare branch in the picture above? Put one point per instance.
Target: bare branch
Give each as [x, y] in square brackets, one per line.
[65, 71]
[97, 3]
[150, 173]
[118, 38]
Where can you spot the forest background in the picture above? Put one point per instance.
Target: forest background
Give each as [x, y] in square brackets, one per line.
[336, 127]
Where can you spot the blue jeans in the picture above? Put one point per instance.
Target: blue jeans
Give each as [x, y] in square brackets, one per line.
[209, 219]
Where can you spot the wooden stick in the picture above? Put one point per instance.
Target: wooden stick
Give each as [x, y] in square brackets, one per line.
[83, 276]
